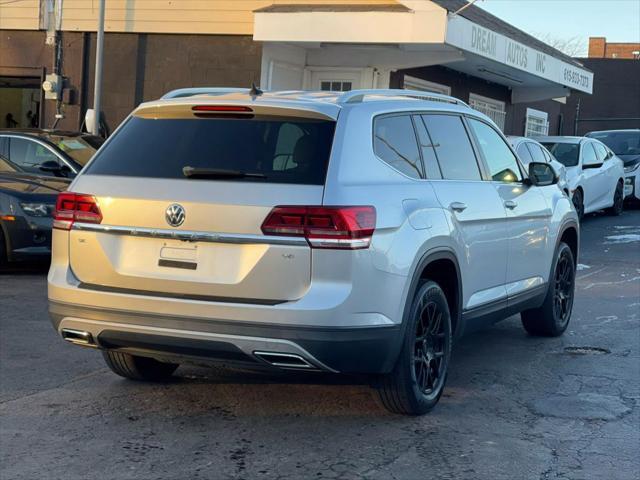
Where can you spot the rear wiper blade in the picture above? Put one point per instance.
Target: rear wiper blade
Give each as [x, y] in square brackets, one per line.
[197, 172]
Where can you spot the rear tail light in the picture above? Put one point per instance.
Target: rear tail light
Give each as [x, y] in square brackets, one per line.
[75, 207]
[221, 108]
[324, 227]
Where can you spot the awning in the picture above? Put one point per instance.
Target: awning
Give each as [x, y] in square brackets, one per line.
[417, 33]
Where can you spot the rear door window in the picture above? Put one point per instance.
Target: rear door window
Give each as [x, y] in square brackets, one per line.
[432, 169]
[452, 147]
[278, 149]
[394, 141]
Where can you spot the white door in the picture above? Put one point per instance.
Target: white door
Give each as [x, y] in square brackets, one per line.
[475, 209]
[609, 171]
[334, 80]
[596, 184]
[528, 216]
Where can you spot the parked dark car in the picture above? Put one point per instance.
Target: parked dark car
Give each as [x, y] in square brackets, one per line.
[35, 165]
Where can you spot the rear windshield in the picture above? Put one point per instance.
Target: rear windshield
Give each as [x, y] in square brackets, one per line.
[566, 153]
[622, 143]
[275, 149]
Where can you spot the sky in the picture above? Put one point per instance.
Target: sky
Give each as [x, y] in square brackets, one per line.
[618, 20]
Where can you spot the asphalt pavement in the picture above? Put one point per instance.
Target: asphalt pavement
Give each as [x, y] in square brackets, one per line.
[515, 406]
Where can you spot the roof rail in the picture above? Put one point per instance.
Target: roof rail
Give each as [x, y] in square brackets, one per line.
[356, 96]
[190, 92]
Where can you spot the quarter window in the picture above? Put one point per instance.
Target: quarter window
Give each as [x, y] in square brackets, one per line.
[524, 154]
[588, 154]
[395, 143]
[601, 152]
[502, 163]
[536, 153]
[452, 146]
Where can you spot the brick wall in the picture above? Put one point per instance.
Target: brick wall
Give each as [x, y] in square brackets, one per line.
[600, 48]
[137, 67]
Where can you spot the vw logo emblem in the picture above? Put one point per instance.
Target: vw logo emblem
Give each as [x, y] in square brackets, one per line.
[174, 215]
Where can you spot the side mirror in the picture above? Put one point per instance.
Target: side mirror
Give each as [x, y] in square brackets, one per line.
[54, 167]
[595, 163]
[50, 166]
[542, 174]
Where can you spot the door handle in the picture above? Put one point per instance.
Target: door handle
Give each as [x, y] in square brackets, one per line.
[458, 206]
[510, 204]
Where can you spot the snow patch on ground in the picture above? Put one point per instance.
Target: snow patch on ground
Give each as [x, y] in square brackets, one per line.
[624, 238]
[582, 266]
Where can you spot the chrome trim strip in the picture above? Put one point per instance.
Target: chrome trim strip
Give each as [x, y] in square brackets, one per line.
[340, 242]
[191, 235]
[245, 343]
[266, 355]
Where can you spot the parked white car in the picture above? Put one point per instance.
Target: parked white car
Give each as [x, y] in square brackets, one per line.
[529, 150]
[594, 173]
[626, 145]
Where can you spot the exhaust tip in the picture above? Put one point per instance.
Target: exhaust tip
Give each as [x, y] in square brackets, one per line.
[78, 337]
[285, 360]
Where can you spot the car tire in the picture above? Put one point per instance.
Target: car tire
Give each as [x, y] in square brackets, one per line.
[618, 201]
[416, 383]
[552, 318]
[134, 367]
[578, 203]
[3, 250]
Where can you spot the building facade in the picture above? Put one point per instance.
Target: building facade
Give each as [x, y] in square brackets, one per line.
[444, 46]
[600, 48]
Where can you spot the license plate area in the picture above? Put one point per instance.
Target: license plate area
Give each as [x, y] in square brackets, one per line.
[185, 254]
[185, 258]
[177, 264]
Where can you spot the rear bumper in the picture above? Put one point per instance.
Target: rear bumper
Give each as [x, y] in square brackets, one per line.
[334, 349]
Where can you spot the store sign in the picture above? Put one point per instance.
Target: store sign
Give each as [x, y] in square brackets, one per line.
[473, 38]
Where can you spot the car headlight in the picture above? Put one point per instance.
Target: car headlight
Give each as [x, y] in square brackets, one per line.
[631, 168]
[37, 209]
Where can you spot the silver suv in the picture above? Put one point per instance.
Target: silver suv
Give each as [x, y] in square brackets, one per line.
[356, 232]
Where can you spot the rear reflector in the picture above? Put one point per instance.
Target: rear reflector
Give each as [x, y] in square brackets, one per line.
[75, 207]
[221, 108]
[324, 227]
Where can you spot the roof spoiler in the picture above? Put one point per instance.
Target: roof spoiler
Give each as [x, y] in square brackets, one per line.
[190, 92]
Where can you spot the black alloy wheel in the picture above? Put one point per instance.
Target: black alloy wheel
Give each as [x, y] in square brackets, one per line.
[417, 381]
[618, 201]
[3, 249]
[552, 318]
[563, 289]
[430, 349]
[578, 203]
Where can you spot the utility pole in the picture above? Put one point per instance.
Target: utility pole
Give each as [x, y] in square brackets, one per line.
[97, 91]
